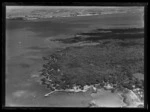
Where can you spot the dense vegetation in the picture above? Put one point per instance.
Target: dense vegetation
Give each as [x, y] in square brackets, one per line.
[111, 61]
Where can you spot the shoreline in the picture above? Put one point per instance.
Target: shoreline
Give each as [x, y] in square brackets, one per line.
[107, 85]
[81, 46]
[101, 91]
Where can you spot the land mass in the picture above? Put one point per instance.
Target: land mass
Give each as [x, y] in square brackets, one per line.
[111, 64]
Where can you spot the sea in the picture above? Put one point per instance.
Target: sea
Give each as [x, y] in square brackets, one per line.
[28, 41]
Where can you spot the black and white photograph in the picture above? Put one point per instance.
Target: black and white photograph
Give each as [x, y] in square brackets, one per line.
[74, 56]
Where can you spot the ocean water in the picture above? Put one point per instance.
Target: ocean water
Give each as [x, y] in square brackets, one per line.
[28, 41]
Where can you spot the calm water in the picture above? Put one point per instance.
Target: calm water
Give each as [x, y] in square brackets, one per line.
[27, 42]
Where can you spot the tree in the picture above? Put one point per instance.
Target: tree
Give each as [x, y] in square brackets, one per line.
[127, 85]
[138, 83]
[50, 75]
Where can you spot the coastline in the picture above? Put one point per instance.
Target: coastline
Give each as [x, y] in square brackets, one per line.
[125, 100]
[100, 96]
[83, 46]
